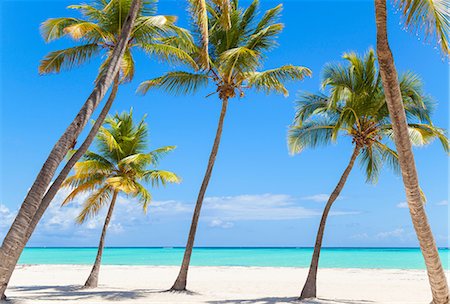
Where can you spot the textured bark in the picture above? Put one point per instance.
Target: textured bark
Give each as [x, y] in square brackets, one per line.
[92, 280]
[180, 282]
[309, 289]
[16, 238]
[53, 190]
[436, 275]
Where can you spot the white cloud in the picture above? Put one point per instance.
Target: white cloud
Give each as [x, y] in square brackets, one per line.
[6, 216]
[402, 205]
[360, 236]
[218, 223]
[396, 233]
[442, 203]
[259, 207]
[319, 198]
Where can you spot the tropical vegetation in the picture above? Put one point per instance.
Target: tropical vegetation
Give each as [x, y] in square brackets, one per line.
[371, 105]
[232, 45]
[432, 18]
[355, 106]
[19, 233]
[121, 165]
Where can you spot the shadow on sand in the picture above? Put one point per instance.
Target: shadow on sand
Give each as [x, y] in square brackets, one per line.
[286, 300]
[76, 292]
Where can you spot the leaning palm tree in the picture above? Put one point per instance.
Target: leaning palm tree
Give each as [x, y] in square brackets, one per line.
[233, 43]
[155, 34]
[356, 107]
[17, 237]
[433, 18]
[120, 166]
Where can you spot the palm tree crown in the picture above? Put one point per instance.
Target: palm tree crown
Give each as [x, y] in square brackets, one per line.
[121, 165]
[98, 32]
[356, 106]
[231, 50]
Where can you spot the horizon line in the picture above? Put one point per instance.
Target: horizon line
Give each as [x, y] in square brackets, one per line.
[223, 247]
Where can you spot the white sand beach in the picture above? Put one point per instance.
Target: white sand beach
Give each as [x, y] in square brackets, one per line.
[215, 285]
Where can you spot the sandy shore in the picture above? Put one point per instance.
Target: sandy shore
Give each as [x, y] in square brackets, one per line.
[215, 285]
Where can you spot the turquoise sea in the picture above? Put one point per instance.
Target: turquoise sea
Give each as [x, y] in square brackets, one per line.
[387, 258]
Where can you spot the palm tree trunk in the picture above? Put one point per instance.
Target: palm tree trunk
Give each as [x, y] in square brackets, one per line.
[51, 192]
[309, 289]
[436, 275]
[92, 280]
[16, 238]
[180, 282]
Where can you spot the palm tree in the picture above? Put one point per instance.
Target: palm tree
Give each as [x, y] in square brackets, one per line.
[17, 236]
[433, 17]
[155, 34]
[231, 49]
[120, 166]
[356, 107]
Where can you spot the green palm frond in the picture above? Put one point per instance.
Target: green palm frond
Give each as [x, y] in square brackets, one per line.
[94, 204]
[68, 58]
[200, 15]
[265, 38]
[176, 83]
[273, 80]
[430, 16]
[160, 177]
[310, 104]
[127, 66]
[86, 30]
[237, 61]
[143, 195]
[81, 184]
[310, 135]
[107, 141]
[92, 167]
[423, 134]
[270, 17]
[371, 159]
[54, 28]
[389, 156]
[169, 53]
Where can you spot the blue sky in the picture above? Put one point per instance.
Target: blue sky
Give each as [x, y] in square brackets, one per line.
[258, 195]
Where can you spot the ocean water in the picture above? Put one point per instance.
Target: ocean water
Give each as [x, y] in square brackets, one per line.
[386, 258]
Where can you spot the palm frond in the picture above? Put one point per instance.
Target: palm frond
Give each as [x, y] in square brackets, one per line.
[143, 195]
[127, 66]
[238, 61]
[273, 80]
[432, 17]
[169, 53]
[270, 17]
[176, 83]
[200, 15]
[161, 177]
[68, 58]
[310, 135]
[94, 204]
[54, 28]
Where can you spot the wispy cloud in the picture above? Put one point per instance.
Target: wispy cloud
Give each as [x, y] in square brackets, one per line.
[218, 212]
[318, 198]
[396, 233]
[442, 203]
[218, 223]
[6, 216]
[402, 205]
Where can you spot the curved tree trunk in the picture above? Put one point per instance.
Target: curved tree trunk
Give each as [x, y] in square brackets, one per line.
[436, 275]
[309, 289]
[16, 238]
[180, 282]
[53, 190]
[92, 280]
